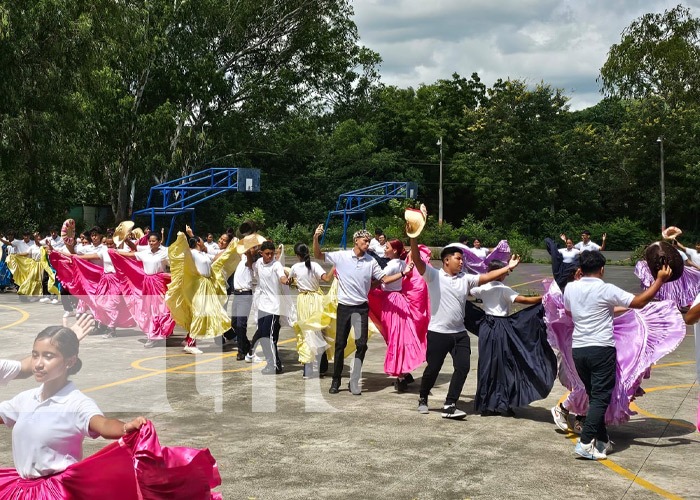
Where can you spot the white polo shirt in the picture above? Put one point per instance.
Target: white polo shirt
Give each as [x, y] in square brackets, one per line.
[394, 266]
[479, 252]
[448, 296]
[57, 243]
[496, 297]
[308, 280]
[20, 246]
[693, 255]
[269, 285]
[47, 436]
[243, 276]
[354, 275]
[9, 369]
[202, 262]
[377, 247]
[154, 262]
[590, 246]
[591, 302]
[212, 248]
[569, 255]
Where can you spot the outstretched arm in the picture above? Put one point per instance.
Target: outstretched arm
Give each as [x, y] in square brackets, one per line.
[605, 237]
[693, 315]
[645, 297]
[522, 299]
[497, 273]
[112, 428]
[318, 254]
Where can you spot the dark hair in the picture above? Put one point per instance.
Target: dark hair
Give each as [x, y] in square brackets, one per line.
[53, 229]
[158, 236]
[301, 250]
[464, 239]
[447, 251]
[591, 261]
[378, 231]
[586, 231]
[267, 245]
[95, 230]
[26, 233]
[67, 343]
[496, 264]
[192, 242]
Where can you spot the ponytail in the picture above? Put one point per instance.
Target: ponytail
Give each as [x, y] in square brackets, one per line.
[302, 251]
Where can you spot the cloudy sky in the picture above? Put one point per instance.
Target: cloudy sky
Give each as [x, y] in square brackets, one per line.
[561, 42]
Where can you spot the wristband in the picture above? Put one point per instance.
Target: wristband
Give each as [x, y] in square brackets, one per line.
[124, 429]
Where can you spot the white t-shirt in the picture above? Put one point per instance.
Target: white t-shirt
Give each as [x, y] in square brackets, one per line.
[496, 297]
[591, 302]
[448, 296]
[9, 369]
[47, 436]
[590, 246]
[153, 262]
[394, 266]
[479, 252]
[308, 280]
[212, 248]
[202, 262]
[354, 275]
[35, 253]
[243, 277]
[20, 246]
[56, 243]
[693, 255]
[569, 255]
[269, 285]
[377, 247]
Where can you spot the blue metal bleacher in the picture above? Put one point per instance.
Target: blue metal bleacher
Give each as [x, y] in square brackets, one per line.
[355, 203]
[180, 196]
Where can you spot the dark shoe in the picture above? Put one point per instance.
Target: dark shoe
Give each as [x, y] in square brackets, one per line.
[335, 386]
[452, 412]
[489, 413]
[408, 378]
[220, 341]
[271, 370]
[240, 356]
[423, 406]
[508, 413]
[401, 385]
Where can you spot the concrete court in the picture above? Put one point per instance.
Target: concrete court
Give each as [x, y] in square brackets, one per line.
[285, 438]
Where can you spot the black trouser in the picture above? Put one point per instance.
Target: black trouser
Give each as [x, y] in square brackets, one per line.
[439, 345]
[596, 367]
[68, 301]
[45, 283]
[268, 334]
[242, 303]
[355, 317]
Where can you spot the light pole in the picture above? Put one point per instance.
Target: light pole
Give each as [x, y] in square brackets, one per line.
[439, 143]
[660, 140]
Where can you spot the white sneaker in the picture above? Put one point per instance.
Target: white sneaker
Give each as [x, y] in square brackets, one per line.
[54, 301]
[603, 447]
[69, 314]
[192, 350]
[452, 412]
[44, 300]
[254, 358]
[589, 451]
[559, 415]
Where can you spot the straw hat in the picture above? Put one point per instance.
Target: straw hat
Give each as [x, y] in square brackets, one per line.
[662, 253]
[671, 232]
[123, 230]
[137, 233]
[68, 231]
[248, 242]
[415, 220]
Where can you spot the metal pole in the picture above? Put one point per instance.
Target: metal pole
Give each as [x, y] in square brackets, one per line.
[440, 189]
[660, 140]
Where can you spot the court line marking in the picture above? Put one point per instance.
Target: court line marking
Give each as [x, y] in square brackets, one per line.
[25, 316]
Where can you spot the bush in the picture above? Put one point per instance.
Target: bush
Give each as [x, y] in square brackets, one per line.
[623, 234]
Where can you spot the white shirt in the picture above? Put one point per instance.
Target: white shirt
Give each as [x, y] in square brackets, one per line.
[308, 280]
[693, 255]
[212, 248]
[394, 266]
[448, 296]
[496, 297]
[47, 436]
[591, 302]
[590, 246]
[154, 262]
[20, 246]
[243, 276]
[269, 285]
[354, 275]
[569, 255]
[479, 252]
[35, 253]
[56, 243]
[9, 369]
[202, 262]
[377, 247]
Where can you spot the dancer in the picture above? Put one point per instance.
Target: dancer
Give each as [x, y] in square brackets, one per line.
[516, 364]
[586, 243]
[50, 422]
[311, 344]
[355, 270]
[478, 250]
[591, 301]
[148, 282]
[473, 264]
[197, 291]
[400, 309]
[684, 285]
[693, 253]
[211, 245]
[448, 289]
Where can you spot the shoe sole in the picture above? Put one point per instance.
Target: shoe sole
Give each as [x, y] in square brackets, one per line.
[424, 411]
[554, 413]
[452, 416]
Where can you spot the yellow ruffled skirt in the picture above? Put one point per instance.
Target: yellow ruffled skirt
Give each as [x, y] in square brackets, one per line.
[26, 273]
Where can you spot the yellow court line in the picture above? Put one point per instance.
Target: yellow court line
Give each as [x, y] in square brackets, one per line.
[677, 363]
[25, 316]
[529, 282]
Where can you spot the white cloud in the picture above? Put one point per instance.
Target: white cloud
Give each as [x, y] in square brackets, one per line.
[561, 42]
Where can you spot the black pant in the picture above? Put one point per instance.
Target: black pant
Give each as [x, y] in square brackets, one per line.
[355, 317]
[596, 366]
[68, 301]
[268, 334]
[242, 303]
[439, 345]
